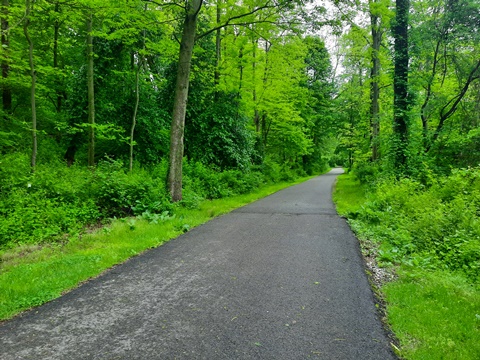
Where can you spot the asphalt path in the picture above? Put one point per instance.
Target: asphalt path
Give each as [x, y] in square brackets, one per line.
[281, 278]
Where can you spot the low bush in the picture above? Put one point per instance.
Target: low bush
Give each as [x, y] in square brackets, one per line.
[434, 226]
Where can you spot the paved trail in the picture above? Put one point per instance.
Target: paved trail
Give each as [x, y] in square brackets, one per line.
[279, 279]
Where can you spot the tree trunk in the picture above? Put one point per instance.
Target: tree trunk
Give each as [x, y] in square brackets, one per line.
[264, 128]
[135, 111]
[218, 44]
[180, 100]
[374, 86]
[91, 94]
[256, 116]
[6, 91]
[56, 30]
[428, 95]
[400, 84]
[33, 84]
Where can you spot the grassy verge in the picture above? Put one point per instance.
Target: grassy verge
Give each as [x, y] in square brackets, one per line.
[33, 275]
[434, 313]
[349, 195]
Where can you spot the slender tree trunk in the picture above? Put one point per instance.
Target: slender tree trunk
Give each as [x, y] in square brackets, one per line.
[240, 83]
[135, 111]
[374, 86]
[180, 100]
[256, 116]
[264, 127]
[140, 63]
[400, 84]
[428, 95]
[28, 8]
[218, 44]
[6, 91]
[91, 93]
[56, 31]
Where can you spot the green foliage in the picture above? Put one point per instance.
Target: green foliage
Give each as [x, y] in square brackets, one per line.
[435, 226]
[206, 183]
[57, 202]
[217, 131]
[430, 234]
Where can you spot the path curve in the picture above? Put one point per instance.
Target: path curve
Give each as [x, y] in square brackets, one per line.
[281, 278]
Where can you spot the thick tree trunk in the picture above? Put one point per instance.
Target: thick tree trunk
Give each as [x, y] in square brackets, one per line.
[91, 93]
[6, 91]
[374, 86]
[180, 100]
[33, 84]
[400, 84]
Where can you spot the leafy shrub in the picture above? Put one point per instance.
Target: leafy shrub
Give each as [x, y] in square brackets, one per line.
[436, 226]
[365, 172]
[58, 200]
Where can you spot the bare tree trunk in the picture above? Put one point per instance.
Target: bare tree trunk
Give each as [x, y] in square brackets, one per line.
[449, 108]
[140, 63]
[180, 101]
[6, 91]
[91, 93]
[33, 76]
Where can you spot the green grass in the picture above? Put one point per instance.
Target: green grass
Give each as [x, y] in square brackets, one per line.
[33, 275]
[434, 314]
[349, 195]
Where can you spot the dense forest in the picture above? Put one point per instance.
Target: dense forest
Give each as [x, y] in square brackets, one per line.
[95, 121]
[114, 108]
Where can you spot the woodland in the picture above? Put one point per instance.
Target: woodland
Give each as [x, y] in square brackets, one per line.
[111, 108]
[115, 109]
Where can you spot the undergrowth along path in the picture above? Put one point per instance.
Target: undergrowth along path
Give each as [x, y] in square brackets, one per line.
[281, 278]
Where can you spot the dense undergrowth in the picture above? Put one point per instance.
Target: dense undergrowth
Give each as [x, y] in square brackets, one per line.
[428, 232]
[57, 202]
[432, 226]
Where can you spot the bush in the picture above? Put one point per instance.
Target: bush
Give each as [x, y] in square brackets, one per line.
[56, 200]
[365, 172]
[436, 226]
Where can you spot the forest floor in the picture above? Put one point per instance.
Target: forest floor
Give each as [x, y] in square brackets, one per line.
[281, 278]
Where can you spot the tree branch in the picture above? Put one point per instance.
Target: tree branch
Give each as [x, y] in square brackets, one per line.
[165, 4]
[228, 22]
[455, 100]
